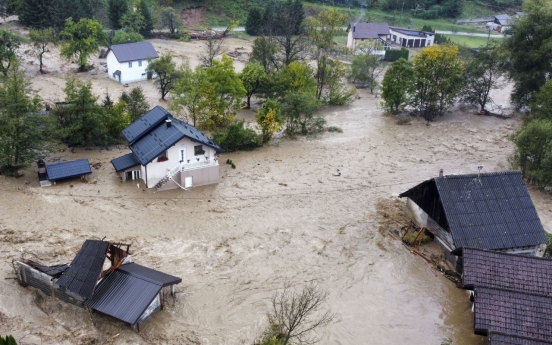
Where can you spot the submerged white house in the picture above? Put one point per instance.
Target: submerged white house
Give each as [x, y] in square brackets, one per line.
[127, 63]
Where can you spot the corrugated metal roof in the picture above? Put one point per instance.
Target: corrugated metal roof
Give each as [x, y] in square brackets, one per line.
[487, 211]
[134, 51]
[140, 127]
[513, 313]
[160, 278]
[527, 274]
[123, 296]
[124, 162]
[368, 30]
[63, 170]
[508, 339]
[85, 269]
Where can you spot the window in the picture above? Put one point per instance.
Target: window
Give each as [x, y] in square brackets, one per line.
[139, 63]
[130, 64]
[162, 157]
[198, 150]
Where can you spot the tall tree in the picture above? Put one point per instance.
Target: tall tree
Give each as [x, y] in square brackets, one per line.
[135, 103]
[133, 21]
[438, 79]
[253, 78]
[264, 52]
[530, 53]
[84, 38]
[365, 70]
[115, 11]
[167, 73]
[170, 20]
[145, 10]
[254, 23]
[189, 96]
[483, 73]
[41, 39]
[21, 126]
[269, 118]
[9, 43]
[398, 86]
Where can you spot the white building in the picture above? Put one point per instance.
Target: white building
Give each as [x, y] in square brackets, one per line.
[127, 63]
[167, 153]
[501, 23]
[375, 34]
[409, 38]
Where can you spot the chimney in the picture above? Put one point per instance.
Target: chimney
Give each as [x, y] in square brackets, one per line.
[168, 122]
[440, 172]
[354, 27]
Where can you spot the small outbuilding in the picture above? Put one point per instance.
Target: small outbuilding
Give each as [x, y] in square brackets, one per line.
[127, 63]
[409, 38]
[501, 23]
[48, 173]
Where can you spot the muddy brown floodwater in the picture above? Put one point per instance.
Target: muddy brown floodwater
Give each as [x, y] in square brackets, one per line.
[280, 216]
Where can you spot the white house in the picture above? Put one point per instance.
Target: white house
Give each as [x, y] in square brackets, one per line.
[501, 23]
[412, 38]
[167, 153]
[127, 63]
[375, 33]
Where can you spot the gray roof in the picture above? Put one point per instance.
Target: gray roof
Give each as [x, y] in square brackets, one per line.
[413, 33]
[85, 269]
[63, 170]
[134, 51]
[503, 19]
[150, 136]
[486, 211]
[368, 30]
[509, 339]
[127, 292]
[124, 162]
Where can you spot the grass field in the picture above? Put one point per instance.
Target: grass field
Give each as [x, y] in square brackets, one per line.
[469, 41]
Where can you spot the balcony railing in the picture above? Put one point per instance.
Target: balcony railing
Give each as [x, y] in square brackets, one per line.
[196, 165]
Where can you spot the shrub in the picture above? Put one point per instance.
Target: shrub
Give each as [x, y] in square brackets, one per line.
[237, 137]
[411, 236]
[335, 129]
[393, 55]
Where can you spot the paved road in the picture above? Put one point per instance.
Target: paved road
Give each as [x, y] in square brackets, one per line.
[468, 34]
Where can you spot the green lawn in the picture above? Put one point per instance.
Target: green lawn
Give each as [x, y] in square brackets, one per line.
[469, 41]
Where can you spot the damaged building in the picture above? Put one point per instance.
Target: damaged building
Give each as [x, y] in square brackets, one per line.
[124, 290]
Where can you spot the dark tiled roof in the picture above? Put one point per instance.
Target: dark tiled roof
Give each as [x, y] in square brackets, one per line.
[85, 269]
[143, 272]
[127, 292]
[124, 162]
[53, 270]
[140, 127]
[368, 30]
[134, 51]
[63, 170]
[410, 32]
[507, 339]
[150, 136]
[488, 211]
[527, 274]
[514, 313]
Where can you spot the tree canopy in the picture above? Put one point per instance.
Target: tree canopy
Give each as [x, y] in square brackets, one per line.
[83, 38]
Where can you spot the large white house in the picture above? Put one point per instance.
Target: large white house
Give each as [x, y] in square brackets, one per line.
[374, 34]
[168, 153]
[127, 63]
[412, 38]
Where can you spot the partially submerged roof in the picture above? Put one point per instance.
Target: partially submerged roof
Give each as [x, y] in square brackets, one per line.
[509, 339]
[124, 162]
[513, 313]
[134, 51]
[413, 33]
[85, 269]
[70, 169]
[128, 291]
[368, 30]
[144, 124]
[53, 270]
[528, 274]
[487, 210]
[503, 19]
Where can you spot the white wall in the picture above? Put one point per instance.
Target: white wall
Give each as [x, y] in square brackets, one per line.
[158, 170]
[350, 41]
[128, 74]
[400, 36]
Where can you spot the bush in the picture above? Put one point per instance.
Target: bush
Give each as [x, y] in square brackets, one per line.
[411, 236]
[335, 129]
[236, 137]
[394, 55]
[548, 251]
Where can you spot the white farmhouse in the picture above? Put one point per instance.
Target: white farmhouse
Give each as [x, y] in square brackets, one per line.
[375, 34]
[412, 38]
[127, 63]
[167, 153]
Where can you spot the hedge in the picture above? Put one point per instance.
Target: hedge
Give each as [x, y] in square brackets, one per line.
[394, 55]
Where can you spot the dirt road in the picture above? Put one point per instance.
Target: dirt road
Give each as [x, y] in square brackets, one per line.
[279, 216]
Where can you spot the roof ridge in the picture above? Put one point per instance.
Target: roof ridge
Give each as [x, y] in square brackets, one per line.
[521, 336]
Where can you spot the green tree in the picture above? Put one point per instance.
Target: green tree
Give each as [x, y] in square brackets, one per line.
[8, 340]
[336, 91]
[126, 36]
[80, 121]
[84, 38]
[253, 78]
[438, 79]
[398, 86]
[483, 73]
[269, 118]
[135, 103]
[237, 137]
[115, 11]
[115, 118]
[22, 128]
[133, 21]
[41, 39]
[254, 23]
[10, 41]
[530, 53]
[189, 95]
[295, 77]
[264, 52]
[145, 10]
[541, 103]
[365, 70]
[167, 73]
[170, 20]
[298, 108]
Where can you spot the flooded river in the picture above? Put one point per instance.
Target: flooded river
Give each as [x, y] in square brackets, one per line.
[280, 216]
